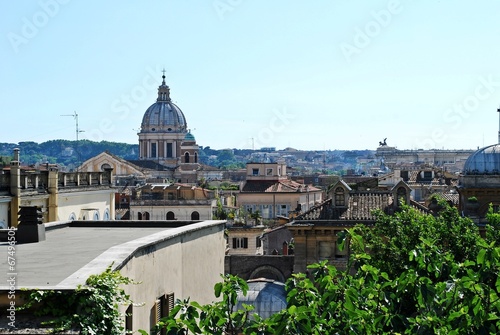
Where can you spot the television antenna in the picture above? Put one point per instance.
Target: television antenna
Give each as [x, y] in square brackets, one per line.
[77, 130]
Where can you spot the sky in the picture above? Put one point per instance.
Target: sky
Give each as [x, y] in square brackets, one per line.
[310, 75]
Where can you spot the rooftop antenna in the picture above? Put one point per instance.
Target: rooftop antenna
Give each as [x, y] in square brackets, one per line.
[77, 130]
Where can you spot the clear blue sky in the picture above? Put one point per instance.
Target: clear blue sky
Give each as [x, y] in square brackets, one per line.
[302, 74]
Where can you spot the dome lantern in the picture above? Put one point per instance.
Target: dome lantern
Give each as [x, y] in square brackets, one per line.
[163, 116]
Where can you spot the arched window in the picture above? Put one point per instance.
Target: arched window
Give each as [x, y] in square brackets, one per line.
[139, 216]
[195, 215]
[96, 215]
[106, 215]
[145, 216]
[339, 196]
[72, 217]
[186, 157]
[401, 194]
[196, 157]
[105, 167]
[170, 216]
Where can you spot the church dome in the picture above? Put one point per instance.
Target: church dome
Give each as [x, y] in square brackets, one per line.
[163, 116]
[484, 161]
[267, 296]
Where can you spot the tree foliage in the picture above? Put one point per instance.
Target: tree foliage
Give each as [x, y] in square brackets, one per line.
[412, 273]
[91, 309]
[67, 152]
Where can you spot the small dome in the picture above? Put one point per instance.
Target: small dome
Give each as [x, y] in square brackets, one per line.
[267, 296]
[189, 137]
[484, 161]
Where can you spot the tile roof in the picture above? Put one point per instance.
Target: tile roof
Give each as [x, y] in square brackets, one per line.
[281, 186]
[362, 205]
[147, 164]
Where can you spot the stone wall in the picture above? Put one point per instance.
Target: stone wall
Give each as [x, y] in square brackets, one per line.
[277, 267]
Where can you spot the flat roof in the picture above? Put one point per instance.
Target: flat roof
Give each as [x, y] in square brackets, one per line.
[57, 261]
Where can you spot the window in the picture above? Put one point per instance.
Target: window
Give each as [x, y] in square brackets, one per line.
[186, 157]
[269, 172]
[153, 150]
[145, 216]
[255, 172]
[128, 320]
[339, 196]
[324, 250]
[170, 216]
[139, 216]
[105, 167]
[195, 215]
[161, 309]
[96, 215]
[401, 194]
[169, 150]
[282, 210]
[258, 242]
[106, 215]
[265, 211]
[196, 157]
[240, 242]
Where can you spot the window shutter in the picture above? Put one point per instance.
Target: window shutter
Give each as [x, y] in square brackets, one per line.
[157, 310]
[169, 303]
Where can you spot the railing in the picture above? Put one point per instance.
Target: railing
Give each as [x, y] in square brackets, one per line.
[164, 202]
[36, 180]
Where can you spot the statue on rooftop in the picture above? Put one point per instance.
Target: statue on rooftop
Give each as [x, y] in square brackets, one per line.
[384, 143]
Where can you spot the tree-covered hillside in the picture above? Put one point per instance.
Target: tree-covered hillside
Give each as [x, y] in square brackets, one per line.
[67, 153]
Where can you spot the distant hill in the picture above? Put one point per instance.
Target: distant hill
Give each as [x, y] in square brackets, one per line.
[70, 154]
[67, 153]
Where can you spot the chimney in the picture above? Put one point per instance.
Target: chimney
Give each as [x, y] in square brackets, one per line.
[53, 193]
[15, 188]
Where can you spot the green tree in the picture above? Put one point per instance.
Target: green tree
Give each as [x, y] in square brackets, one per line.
[92, 308]
[424, 274]
[493, 226]
[393, 237]
[219, 318]
[220, 212]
